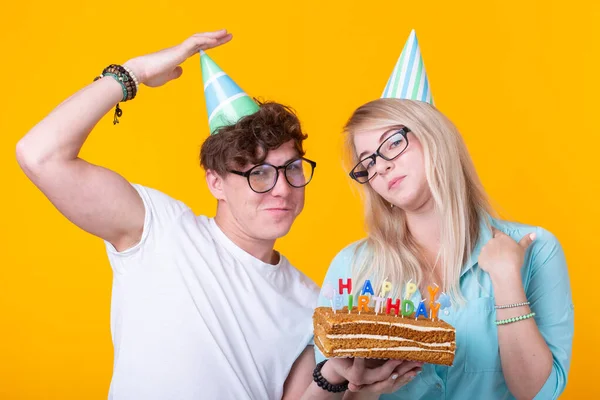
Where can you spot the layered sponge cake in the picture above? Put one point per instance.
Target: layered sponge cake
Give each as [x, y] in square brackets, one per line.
[370, 335]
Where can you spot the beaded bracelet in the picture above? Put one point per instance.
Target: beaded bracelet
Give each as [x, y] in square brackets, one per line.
[322, 382]
[512, 305]
[135, 80]
[118, 79]
[128, 81]
[515, 319]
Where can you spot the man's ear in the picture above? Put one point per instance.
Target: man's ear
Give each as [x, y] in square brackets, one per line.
[215, 184]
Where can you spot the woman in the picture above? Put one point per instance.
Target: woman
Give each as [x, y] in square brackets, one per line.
[429, 221]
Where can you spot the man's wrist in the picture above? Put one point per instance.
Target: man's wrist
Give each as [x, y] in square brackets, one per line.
[328, 372]
[137, 71]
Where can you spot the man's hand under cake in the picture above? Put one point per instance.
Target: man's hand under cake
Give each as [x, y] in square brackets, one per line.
[372, 376]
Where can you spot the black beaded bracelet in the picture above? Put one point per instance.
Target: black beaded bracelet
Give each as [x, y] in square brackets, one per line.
[322, 382]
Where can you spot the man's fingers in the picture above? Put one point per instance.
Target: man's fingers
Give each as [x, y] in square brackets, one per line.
[359, 363]
[206, 40]
[223, 40]
[381, 373]
[407, 367]
[355, 373]
[215, 43]
[203, 41]
[389, 385]
[354, 388]
[194, 44]
[214, 34]
[342, 366]
[374, 362]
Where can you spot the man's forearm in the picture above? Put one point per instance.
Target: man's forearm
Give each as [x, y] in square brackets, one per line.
[314, 392]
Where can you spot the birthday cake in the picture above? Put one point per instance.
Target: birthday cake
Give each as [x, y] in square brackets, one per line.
[387, 331]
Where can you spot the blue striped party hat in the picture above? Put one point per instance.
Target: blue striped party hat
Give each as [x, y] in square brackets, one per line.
[409, 79]
[226, 102]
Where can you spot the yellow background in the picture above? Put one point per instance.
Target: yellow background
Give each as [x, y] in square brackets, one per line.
[519, 78]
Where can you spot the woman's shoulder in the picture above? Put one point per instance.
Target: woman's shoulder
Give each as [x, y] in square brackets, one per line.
[352, 251]
[519, 229]
[545, 241]
[342, 261]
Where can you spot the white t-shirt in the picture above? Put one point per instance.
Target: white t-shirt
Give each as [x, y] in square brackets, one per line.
[194, 316]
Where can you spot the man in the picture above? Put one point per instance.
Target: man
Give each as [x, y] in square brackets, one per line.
[202, 307]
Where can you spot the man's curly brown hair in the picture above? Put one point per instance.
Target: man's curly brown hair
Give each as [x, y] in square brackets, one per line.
[251, 138]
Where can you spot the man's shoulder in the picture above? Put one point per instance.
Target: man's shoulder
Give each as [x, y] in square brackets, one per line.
[158, 197]
[167, 215]
[300, 278]
[164, 209]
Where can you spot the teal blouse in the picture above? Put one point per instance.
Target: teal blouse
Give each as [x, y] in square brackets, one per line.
[477, 371]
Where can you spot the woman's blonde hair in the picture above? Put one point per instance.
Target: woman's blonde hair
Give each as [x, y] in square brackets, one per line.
[389, 252]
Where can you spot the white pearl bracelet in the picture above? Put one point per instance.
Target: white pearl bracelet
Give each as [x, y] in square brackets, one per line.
[513, 305]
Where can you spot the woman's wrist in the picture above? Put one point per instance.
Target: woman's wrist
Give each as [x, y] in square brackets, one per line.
[506, 280]
[508, 290]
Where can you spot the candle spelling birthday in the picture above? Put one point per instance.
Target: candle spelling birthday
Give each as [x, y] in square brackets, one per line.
[366, 299]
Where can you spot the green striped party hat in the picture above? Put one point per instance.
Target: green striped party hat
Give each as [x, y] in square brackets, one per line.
[226, 102]
[409, 79]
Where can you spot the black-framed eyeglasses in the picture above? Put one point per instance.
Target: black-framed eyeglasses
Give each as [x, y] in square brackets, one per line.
[392, 147]
[263, 177]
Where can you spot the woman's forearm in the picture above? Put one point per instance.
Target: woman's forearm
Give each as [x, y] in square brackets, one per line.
[525, 356]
